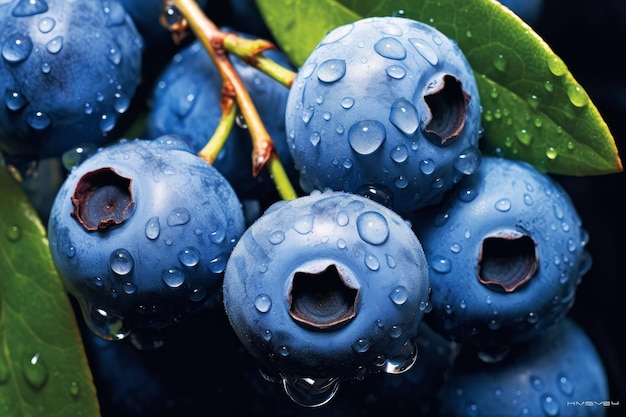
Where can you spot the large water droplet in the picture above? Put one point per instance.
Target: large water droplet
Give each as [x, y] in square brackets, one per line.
[441, 264]
[372, 227]
[331, 70]
[404, 116]
[153, 228]
[276, 237]
[121, 262]
[35, 371]
[55, 45]
[366, 136]
[38, 120]
[14, 100]
[263, 303]
[104, 324]
[17, 48]
[337, 34]
[395, 71]
[390, 48]
[29, 8]
[399, 154]
[189, 256]
[310, 392]
[304, 224]
[173, 277]
[178, 217]
[425, 50]
[107, 122]
[403, 360]
[46, 24]
[549, 405]
[399, 295]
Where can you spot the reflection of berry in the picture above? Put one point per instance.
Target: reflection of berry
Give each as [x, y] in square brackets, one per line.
[328, 286]
[385, 107]
[140, 232]
[558, 373]
[68, 71]
[506, 251]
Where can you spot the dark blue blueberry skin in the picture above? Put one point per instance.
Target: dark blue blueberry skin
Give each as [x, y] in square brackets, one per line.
[386, 106]
[506, 250]
[186, 101]
[329, 286]
[140, 233]
[557, 373]
[68, 74]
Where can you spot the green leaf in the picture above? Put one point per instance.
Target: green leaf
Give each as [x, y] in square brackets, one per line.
[533, 108]
[43, 365]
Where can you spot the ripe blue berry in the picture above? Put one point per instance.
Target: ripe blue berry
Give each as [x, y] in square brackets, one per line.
[327, 287]
[506, 250]
[140, 233]
[386, 107]
[558, 373]
[186, 101]
[82, 63]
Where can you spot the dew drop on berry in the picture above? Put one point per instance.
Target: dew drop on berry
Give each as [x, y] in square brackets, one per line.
[263, 303]
[503, 205]
[17, 48]
[468, 161]
[366, 136]
[467, 194]
[38, 120]
[371, 261]
[14, 100]
[189, 256]
[35, 371]
[347, 102]
[337, 34]
[399, 295]
[304, 224]
[121, 262]
[403, 360]
[565, 384]
[372, 227]
[396, 72]
[217, 265]
[129, 288]
[55, 45]
[307, 114]
[441, 264]
[46, 24]
[107, 122]
[276, 237]
[115, 14]
[404, 116]
[26, 8]
[427, 166]
[391, 261]
[114, 56]
[424, 48]
[153, 228]
[549, 405]
[173, 277]
[391, 48]
[307, 70]
[178, 217]
[399, 154]
[331, 70]
[314, 138]
[401, 182]
[121, 103]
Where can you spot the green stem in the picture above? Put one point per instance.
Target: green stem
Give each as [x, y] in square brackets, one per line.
[215, 144]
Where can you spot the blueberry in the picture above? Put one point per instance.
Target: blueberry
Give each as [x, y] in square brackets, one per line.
[506, 250]
[558, 373]
[386, 107]
[186, 101]
[82, 63]
[140, 233]
[327, 287]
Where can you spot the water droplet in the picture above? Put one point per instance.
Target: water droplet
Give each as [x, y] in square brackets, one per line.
[14, 233]
[115, 56]
[55, 45]
[35, 371]
[106, 325]
[372, 227]
[557, 66]
[347, 102]
[361, 345]
[307, 114]
[467, 194]
[468, 161]
[528, 200]
[471, 409]
[401, 182]
[189, 257]
[153, 228]
[331, 70]
[74, 389]
[391, 261]
[371, 261]
[17, 49]
[46, 24]
[173, 277]
[129, 288]
[504, 205]
[178, 217]
[342, 218]
[424, 48]
[304, 224]
[536, 383]
[121, 262]
[399, 295]
[395, 71]
[403, 360]
[404, 116]
[551, 153]
[315, 138]
[524, 136]
[565, 384]
[115, 14]
[499, 62]
[366, 136]
[46, 68]
[390, 48]
[427, 166]
[263, 303]
[107, 122]
[337, 34]
[399, 154]
[577, 96]
[310, 392]
[341, 244]
[441, 264]
[549, 405]
[38, 120]
[14, 100]
[277, 237]
[26, 8]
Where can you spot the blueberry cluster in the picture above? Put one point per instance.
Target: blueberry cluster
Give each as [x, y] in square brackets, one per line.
[409, 265]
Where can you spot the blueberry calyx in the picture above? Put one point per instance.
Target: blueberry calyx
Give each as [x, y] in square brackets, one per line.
[448, 103]
[323, 298]
[102, 199]
[507, 260]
